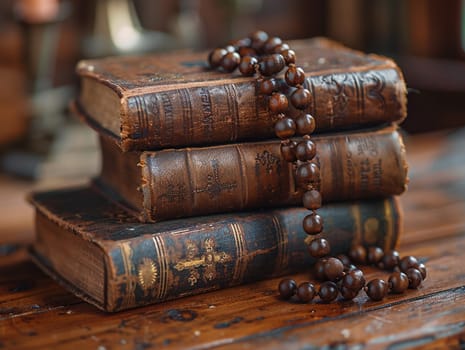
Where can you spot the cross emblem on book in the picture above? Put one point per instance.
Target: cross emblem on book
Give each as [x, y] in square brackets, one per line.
[195, 261]
[214, 185]
[268, 160]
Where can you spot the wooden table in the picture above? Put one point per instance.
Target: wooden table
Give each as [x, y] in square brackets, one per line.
[37, 313]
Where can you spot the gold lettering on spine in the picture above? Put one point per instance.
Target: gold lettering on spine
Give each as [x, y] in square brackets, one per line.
[241, 253]
[159, 246]
[167, 125]
[207, 113]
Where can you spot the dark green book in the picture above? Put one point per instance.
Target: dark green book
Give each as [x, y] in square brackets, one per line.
[111, 260]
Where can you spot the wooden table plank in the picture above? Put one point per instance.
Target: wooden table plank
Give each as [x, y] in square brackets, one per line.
[231, 316]
[429, 319]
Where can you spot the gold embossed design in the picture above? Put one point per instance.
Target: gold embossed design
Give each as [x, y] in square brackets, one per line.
[147, 274]
[195, 261]
[162, 287]
[371, 229]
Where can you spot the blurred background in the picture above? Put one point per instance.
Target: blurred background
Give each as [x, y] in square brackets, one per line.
[41, 145]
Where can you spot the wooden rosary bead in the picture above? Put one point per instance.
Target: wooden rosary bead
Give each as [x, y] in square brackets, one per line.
[239, 43]
[287, 288]
[281, 48]
[374, 255]
[288, 54]
[247, 65]
[398, 282]
[344, 259]
[408, 262]
[278, 103]
[328, 291]
[319, 269]
[422, 269]
[354, 280]
[390, 260]
[358, 254]
[258, 39]
[350, 267]
[311, 200]
[348, 294]
[376, 289]
[294, 76]
[288, 151]
[305, 150]
[271, 64]
[318, 248]
[247, 51]
[230, 61]
[301, 98]
[414, 278]
[334, 269]
[313, 225]
[305, 124]
[284, 128]
[215, 57]
[306, 174]
[271, 44]
[306, 292]
[268, 86]
[230, 48]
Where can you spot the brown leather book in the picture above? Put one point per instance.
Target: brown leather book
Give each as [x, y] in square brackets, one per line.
[174, 100]
[167, 184]
[108, 258]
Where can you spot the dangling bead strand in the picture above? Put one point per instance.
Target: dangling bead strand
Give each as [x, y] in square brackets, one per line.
[266, 57]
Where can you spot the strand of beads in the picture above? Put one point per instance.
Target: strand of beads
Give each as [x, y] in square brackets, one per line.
[266, 57]
[340, 276]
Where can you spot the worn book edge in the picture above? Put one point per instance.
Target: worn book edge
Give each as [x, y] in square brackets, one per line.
[45, 266]
[117, 110]
[365, 231]
[141, 204]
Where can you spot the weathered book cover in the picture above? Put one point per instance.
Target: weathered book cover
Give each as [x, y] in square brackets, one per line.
[173, 100]
[108, 258]
[167, 184]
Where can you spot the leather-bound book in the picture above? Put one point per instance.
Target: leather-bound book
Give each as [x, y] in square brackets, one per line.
[174, 183]
[107, 257]
[174, 100]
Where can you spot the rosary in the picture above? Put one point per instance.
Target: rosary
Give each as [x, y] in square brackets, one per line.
[265, 57]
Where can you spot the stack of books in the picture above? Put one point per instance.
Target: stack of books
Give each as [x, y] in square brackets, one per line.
[194, 195]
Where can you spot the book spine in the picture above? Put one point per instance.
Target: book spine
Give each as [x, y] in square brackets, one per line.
[199, 181]
[233, 250]
[216, 114]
